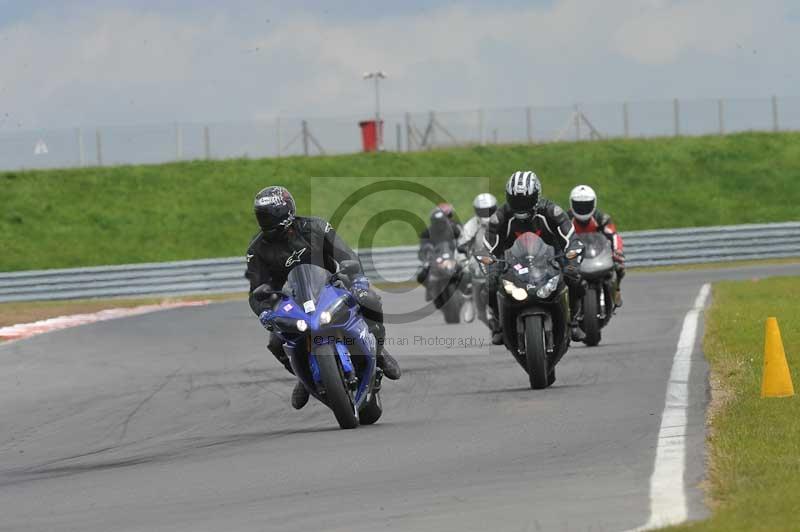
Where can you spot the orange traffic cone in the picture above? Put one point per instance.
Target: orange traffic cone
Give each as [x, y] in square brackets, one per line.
[777, 382]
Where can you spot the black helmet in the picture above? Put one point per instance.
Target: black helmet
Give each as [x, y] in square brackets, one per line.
[440, 229]
[522, 193]
[274, 208]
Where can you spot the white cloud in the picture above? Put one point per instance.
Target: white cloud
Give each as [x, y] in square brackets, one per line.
[122, 65]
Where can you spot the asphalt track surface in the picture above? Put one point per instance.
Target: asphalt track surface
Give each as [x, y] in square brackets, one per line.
[180, 420]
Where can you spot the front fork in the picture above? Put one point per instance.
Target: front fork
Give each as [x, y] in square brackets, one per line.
[547, 320]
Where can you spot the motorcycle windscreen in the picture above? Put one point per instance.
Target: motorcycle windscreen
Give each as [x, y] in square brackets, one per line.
[306, 282]
[447, 247]
[594, 244]
[441, 231]
[531, 258]
[478, 248]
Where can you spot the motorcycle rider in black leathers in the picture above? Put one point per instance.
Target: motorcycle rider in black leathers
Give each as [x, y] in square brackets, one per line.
[286, 240]
[442, 228]
[526, 211]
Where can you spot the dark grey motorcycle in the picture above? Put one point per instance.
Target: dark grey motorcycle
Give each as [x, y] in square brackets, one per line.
[597, 270]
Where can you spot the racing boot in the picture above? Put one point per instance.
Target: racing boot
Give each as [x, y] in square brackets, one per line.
[494, 326]
[618, 298]
[497, 338]
[497, 332]
[576, 310]
[576, 332]
[388, 364]
[299, 396]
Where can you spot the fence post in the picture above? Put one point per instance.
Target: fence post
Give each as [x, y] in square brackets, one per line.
[721, 113]
[207, 142]
[278, 135]
[81, 150]
[626, 124]
[432, 126]
[775, 126]
[577, 117]
[305, 137]
[676, 111]
[529, 124]
[178, 142]
[481, 139]
[408, 132]
[99, 141]
[399, 133]
[494, 135]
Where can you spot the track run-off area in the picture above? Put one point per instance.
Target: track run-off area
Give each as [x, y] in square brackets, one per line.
[180, 420]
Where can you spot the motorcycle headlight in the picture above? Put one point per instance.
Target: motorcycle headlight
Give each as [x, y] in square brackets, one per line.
[324, 317]
[520, 294]
[545, 291]
[337, 312]
[301, 325]
[508, 286]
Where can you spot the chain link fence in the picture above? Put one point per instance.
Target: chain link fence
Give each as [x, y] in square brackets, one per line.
[288, 136]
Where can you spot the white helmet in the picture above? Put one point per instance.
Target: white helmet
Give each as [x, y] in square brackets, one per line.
[583, 202]
[485, 204]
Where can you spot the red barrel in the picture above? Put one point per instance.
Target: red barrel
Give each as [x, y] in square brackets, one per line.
[369, 134]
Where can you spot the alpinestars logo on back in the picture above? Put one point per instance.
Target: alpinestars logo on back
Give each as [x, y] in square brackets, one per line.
[294, 258]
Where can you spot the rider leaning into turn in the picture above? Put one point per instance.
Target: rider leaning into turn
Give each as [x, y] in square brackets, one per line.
[526, 211]
[587, 218]
[286, 240]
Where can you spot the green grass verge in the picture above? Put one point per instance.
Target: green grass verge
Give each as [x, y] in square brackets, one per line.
[126, 214]
[754, 442]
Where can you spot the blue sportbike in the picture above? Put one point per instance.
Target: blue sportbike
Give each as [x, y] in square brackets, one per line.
[330, 347]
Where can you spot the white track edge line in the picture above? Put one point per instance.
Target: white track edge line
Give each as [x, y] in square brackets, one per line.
[668, 505]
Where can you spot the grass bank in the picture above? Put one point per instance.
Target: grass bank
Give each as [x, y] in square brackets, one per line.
[126, 214]
[754, 442]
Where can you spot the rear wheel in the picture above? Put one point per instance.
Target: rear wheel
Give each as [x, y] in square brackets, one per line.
[539, 373]
[591, 323]
[371, 410]
[336, 395]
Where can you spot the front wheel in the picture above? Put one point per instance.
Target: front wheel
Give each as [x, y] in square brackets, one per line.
[536, 354]
[336, 395]
[452, 305]
[591, 322]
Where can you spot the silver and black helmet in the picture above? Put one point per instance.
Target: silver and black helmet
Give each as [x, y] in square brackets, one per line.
[275, 209]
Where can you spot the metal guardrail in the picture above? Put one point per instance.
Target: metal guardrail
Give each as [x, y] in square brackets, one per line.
[642, 248]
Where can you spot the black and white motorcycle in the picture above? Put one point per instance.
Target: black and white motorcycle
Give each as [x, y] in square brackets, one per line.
[533, 301]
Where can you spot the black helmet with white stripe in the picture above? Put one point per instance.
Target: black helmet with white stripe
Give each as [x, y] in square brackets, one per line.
[522, 193]
[275, 209]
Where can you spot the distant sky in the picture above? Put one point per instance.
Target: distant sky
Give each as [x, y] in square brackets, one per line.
[90, 62]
